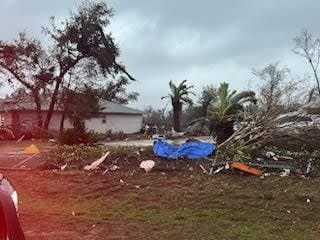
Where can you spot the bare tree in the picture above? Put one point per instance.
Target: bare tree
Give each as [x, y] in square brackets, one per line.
[307, 46]
[271, 90]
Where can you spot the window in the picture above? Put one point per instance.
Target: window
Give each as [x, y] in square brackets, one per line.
[104, 120]
[1, 119]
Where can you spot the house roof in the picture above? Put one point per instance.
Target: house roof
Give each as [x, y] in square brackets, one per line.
[107, 107]
[110, 107]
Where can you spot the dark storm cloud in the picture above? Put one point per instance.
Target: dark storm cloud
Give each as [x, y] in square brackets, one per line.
[203, 41]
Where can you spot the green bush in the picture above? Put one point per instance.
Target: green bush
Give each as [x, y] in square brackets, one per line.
[79, 155]
[116, 135]
[75, 153]
[78, 136]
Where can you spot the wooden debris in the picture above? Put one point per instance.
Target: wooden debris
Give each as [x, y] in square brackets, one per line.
[20, 139]
[25, 160]
[284, 157]
[246, 168]
[268, 165]
[203, 169]
[95, 164]
[218, 170]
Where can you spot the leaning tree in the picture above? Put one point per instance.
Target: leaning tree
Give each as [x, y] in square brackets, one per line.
[79, 41]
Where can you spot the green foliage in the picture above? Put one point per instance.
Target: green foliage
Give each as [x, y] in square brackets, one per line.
[228, 104]
[79, 155]
[208, 95]
[116, 135]
[75, 153]
[179, 95]
[81, 105]
[246, 153]
[225, 109]
[78, 136]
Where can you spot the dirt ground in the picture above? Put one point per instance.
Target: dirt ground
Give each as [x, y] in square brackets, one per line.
[165, 205]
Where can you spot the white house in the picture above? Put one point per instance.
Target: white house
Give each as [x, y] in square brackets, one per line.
[114, 117]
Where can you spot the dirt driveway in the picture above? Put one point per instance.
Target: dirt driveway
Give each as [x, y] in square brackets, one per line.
[12, 154]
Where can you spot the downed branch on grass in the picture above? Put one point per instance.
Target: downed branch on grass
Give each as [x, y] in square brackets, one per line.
[95, 164]
[271, 129]
[25, 160]
[204, 170]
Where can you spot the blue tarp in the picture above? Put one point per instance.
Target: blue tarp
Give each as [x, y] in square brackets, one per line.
[191, 149]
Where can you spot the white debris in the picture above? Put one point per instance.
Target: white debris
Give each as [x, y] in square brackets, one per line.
[285, 173]
[114, 168]
[95, 164]
[147, 165]
[227, 166]
[218, 170]
[270, 154]
[64, 167]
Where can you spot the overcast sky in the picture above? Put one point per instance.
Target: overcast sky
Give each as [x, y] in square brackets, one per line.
[203, 41]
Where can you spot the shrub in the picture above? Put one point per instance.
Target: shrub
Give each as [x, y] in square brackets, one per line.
[78, 136]
[116, 135]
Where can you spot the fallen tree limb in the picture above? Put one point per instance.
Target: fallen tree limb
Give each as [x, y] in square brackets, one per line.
[95, 164]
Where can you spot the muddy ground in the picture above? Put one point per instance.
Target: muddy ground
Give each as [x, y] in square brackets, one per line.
[165, 205]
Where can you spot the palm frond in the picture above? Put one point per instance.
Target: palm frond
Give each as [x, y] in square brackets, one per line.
[248, 95]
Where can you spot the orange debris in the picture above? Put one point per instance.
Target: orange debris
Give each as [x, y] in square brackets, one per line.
[246, 168]
[32, 149]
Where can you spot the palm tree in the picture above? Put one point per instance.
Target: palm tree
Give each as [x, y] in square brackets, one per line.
[179, 95]
[225, 109]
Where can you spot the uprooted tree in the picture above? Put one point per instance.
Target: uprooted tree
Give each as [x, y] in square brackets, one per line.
[80, 41]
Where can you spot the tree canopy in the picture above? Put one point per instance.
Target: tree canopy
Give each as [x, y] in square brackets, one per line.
[79, 42]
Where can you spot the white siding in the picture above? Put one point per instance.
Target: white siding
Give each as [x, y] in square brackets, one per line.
[116, 123]
[29, 118]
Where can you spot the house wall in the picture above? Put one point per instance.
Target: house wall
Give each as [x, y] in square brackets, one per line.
[6, 118]
[125, 123]
[29, 118]
[115, 122]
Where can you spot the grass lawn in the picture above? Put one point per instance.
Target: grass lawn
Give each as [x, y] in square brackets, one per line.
[172, 205]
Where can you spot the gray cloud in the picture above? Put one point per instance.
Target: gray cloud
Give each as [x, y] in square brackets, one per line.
[203, 41]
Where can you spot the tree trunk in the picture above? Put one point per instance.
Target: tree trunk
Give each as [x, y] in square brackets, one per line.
[316, 76]
[66, 101]
[53, 101]
[62, 123]
[38, 108]
[177, 109]
[223, 131]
